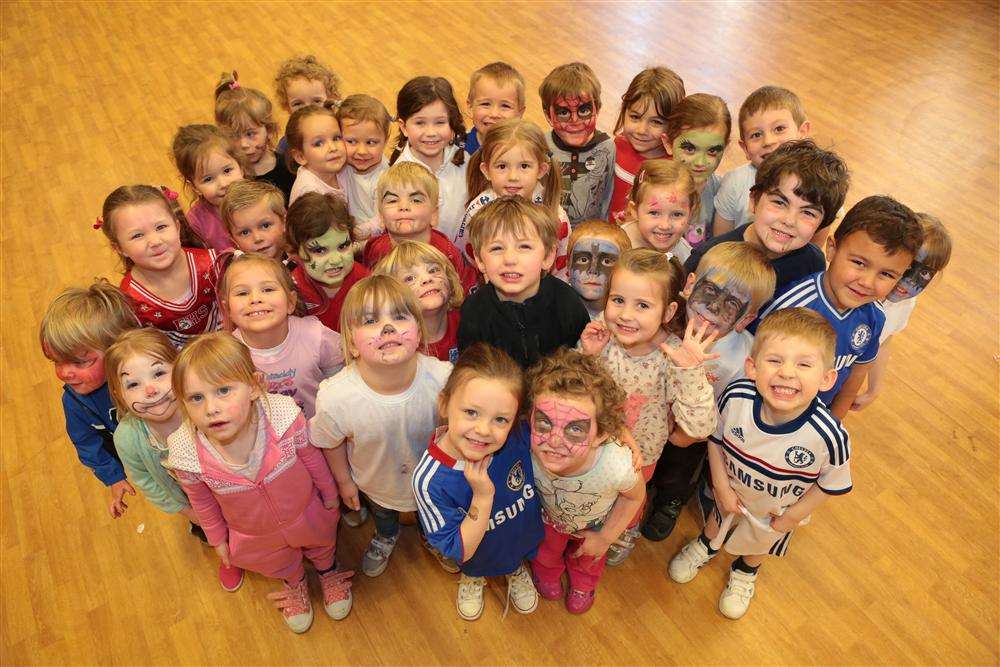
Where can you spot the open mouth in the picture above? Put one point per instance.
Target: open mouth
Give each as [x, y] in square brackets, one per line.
[215, 426]
[780, 236]
[431, 292]
[511, 277]
[253, 314]
[784, 391]
[333, 273]
[477, 444]
[389, 345]
[663, 238]
[626, 329]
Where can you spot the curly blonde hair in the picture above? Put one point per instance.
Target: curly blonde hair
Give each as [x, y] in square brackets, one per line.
[580, 376]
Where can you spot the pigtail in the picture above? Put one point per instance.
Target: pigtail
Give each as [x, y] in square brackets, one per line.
[189, 237]
[227, 81]
[400, 145]
[458, 159]
[674, 286]
[475, 180]
[552, 182]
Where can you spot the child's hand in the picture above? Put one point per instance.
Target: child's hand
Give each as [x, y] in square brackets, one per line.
[118, 491]
[594, 337]
[223, 551]
[727, 500]
[630, 442]
[783, 523]
[594, 545]
[862, 401]
[349, 494]
[477, 475]
[694, 348]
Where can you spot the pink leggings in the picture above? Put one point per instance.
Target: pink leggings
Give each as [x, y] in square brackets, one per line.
[555, 555]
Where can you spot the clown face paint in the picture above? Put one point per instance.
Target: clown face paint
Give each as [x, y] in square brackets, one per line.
[914, 281]
[329, 258]
[145, 385]
[592, 261]
[386, 338]
[700, 150]
[574, 119]
[563, 431]
[718, 301]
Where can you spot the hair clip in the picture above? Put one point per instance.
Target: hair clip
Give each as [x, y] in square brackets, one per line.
[99, 223]
[642, 175]
[233, 85]
[168, 193]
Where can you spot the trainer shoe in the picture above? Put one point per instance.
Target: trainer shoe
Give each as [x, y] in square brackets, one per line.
[735, 600]
[685, 565]
[622, 547]
[230, 577]
[521, 591]
[447, 564]
[297, 607]
[337, 598]
[376, 557]
[355, 518]
[549, 590]
[470, 597]
[661, 521]
[579, 602]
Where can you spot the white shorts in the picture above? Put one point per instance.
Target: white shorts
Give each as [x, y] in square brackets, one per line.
[751, 538]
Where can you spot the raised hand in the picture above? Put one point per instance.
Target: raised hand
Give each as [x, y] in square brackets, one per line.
[693, 350]
[478, 477]
[594, 337]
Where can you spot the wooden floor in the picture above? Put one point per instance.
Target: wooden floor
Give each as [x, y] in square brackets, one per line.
[902, 570]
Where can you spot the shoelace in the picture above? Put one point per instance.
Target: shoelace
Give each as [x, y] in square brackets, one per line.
[515, 586]
[296, 599]
[336, 585]
[471, 586]
[742, 587]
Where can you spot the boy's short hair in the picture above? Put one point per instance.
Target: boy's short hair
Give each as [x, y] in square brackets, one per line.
[936, 249]
[409, 253]
[359, 108]
[244, 194]
[889, 223]
[503, 74]
[571, 373]
[85, 318]
[823, 176]
[570, 79]
[305, 67]
[766, 98]
[514, 216]
[803, 323]
[599, 229]
[402, 174]
[744, 263]
[314, 214]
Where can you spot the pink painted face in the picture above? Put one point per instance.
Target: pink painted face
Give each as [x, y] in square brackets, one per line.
[84, 374]
[563, 430]
[574, 118]
[388, 337]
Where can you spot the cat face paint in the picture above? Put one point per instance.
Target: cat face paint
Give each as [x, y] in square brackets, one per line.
[718, 301]
[329, 258]
[591, 263]
[914, 281]
[574, 118]
[386, 338]
[563, 430]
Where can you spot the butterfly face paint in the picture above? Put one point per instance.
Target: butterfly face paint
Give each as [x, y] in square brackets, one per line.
[562, 431]
[386, 338]
[914, 281]
[329, 258]
[592, 261]
[574, 119]
[719, 301]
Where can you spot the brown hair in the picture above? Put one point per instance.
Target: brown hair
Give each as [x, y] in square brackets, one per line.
[148, 341]
[697, 111]
[134, 195]
[568, 372]
[193, 144]
[409, 253]
[305, 67]
[240, 109]
[659, 86]
[359, 108]
[666, 273]
[570, 79]
[662, 171]
[84, 318]
[216, 358]
[375, 292]
[293, 129]
[889, 223]
[745, 264]
[314, 214]
[483, 361]
[803, 323]
[418, 93]
[515, 216]
[502, 137]
[281, 276]
[937, 242]
[600, 229]
[244, 194]
[503, 74]
[767, 98]
[823, 176]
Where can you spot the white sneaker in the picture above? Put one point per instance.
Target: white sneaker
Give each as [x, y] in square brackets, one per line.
[521, 591]
[622, 547]
[735, 600]
[376, 557]
[685, 565]
[470, 597]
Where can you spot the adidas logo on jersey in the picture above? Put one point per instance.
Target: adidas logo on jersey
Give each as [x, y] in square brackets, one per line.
[738, 432]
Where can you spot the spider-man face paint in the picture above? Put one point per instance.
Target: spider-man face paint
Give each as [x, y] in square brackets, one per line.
[574, 119]
[562, 432]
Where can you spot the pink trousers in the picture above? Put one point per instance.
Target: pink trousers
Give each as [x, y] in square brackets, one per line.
[555, 555]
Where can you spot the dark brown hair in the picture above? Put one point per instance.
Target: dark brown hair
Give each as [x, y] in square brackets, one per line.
[659, 86]
[766, 98]
[823, 176]
[481, 360]
[888, 222]
[418, 93]
[314, 214]
[293, 129]
[697, 111]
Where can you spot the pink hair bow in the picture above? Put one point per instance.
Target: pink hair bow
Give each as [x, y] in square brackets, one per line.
[168, 193]
[99, 223]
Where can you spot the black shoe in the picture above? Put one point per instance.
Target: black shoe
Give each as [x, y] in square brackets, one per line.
[661, 521]
[196, 530]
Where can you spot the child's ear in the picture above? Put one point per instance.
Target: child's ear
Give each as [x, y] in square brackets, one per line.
[829, 379]
[754, 200]
[402, 126]
[668, 145]
[480, 266]
[750, 368]
[442, 407]
[543, 169]
[670, 311]
[630, 210]
[435, 218]
[292, 301]
[550, 259]
[805, 129]
[484, 169]
[744, 321]
[689, 285]
[297, 156]
[830, 248]
[743, 145]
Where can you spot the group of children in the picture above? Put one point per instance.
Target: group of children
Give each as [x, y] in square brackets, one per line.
[533, 340]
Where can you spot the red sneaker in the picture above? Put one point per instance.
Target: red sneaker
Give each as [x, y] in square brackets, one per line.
[230, 577]
[549, 590]
[579, 602]
[337, 597]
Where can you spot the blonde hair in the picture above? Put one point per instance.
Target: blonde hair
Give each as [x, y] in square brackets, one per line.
[515, 217]
[767, 98]
[374, 293]
[402, 174]
[569, 373]
[501, 138]
[84, 318]
[244, 194]
[745, 264]
[293, 129]
[281, 275]
[216, 358]
[135, 195]
[304, 67]
[485, 362]
[194, 144]
[599, 229]
[359, 108]
[802, 323]
[698, 111]
[240, 109]
[937, 241]
[148, 341]
[663, 172]
[569, 79]
[665, 273]
[410, 253]
[659, 86]
[503, 74]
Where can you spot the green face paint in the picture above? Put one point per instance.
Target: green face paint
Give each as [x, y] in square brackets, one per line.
[329, 258]
[700, 150]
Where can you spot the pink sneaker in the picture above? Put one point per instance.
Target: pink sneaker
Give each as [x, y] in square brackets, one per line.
[230, 577]
[295, 606]
[549, 590]
[337, 597]
[579, 602]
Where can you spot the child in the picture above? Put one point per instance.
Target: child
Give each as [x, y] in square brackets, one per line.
[646, 105]
[514, 161]
[696, 135]
[521, 309]
[294, 353]
[408, 207]
[589, 489]
[316, 152]
[254, 215]
[321, 231]
[139, 364]
[301, 81]
[475, 490]
[364, 123]
[930, 260]
[594, 249]
[663, 376]
[374, 418]
[435, 283]
[869, 252]
[209, 162]
[661, 204]
[798, 189]
[246, 114]
[732, 281]
[170, 283]
[571, 100]
[432, 132]
[776, 455]
[496, 93]
[769, 117]
[77, 329]
[262, 492]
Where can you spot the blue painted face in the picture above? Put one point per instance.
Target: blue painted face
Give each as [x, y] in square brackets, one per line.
[591, 263]
[913, 282]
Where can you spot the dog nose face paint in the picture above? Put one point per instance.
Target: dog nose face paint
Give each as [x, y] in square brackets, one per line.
[387, 337]
[591, 264]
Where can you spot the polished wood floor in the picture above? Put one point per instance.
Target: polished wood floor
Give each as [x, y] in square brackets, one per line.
[902, 570]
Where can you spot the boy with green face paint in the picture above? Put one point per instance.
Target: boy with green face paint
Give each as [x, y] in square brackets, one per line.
[321, 230]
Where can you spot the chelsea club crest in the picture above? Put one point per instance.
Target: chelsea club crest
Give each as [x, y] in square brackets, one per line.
[799, 457]
[515, 477]
[860, 336]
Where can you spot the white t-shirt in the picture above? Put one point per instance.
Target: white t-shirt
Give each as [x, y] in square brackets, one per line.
[451, 188]
[897, 316]
[732, 201]
[386, 434]
[733, 350]
[361, 191]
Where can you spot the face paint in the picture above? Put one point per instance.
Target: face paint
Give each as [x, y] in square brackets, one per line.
[156, 408]
[386, 338]
[914, 281]
[329, 258]
[145, 387]
[561, 430]
[592, 261]
[719, 301]
[574, 119]
[700, 150]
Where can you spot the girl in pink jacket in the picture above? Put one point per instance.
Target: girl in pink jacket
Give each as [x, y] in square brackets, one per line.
[263, 494]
